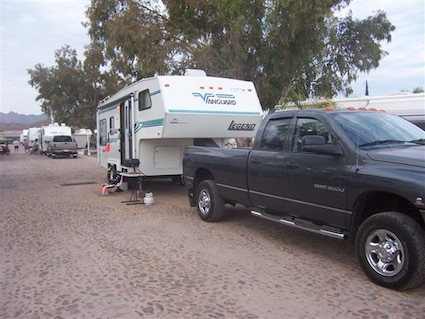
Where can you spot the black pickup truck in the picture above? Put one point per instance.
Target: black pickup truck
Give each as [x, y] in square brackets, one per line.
[348, 174]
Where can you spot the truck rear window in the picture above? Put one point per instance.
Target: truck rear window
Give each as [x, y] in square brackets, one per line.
[62, 138]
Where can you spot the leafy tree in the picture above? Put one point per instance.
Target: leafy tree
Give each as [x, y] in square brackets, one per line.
[71, 90]
[418, 90]
[58, 86]
[284, 46]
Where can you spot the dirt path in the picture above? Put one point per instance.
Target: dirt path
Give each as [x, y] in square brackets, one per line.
[68, 252]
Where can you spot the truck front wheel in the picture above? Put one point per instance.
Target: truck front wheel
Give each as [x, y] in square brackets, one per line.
[209, 203]
[390, 247]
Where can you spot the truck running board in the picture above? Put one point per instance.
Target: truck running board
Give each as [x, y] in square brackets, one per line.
[314, 229]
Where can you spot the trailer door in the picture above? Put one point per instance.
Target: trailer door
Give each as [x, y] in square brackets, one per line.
[126, 122]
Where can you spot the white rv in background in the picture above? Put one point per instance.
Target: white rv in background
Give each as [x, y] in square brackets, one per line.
[83, 139]
[33, 133]
[47, 133]
[23, 137]
[154, 119]
[409, 106]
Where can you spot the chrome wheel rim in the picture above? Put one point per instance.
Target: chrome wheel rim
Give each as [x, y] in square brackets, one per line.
[385, 252]
[204, 202]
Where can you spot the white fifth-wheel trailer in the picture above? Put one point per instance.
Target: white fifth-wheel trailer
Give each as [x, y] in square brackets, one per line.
[154, 119]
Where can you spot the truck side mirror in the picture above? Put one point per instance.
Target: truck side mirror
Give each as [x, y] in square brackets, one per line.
[317, 144]
[313, 140]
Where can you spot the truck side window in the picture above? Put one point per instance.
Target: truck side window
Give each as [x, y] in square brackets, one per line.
[307, 126]
[103, 129]
[145, 101]
[274, 135]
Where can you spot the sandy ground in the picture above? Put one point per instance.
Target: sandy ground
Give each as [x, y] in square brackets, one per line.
[68, 252]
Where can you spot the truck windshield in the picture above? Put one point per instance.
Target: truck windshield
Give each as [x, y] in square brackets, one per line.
[62, 138]
[373, 129]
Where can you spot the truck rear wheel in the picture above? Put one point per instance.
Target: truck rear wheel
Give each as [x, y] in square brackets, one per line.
[209, 203]
[390, 247]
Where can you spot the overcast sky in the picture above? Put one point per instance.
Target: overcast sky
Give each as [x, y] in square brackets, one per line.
[31, 31]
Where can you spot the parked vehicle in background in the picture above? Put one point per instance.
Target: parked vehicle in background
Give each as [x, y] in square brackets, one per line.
[47, 133]
[62, 145]
[33, 135]
[356, 175]
[23, 136]
[82, 136]
[4, 149]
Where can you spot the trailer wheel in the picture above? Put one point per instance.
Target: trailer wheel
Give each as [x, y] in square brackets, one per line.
[178, 180]
[390, 247]
[209, 203]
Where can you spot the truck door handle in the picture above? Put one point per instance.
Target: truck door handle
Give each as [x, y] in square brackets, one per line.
[292, 165]
[254, 161]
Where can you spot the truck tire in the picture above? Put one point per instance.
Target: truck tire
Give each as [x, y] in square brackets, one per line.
[209, 203]
[390, 247]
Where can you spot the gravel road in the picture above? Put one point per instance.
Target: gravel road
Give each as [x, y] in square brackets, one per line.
[68, 252]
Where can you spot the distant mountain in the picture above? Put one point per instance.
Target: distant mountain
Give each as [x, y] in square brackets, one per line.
[13, 117]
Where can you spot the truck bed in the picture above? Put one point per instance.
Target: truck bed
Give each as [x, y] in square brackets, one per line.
[227, 165]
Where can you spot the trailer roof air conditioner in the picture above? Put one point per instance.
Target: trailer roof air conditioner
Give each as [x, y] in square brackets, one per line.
[194, 72]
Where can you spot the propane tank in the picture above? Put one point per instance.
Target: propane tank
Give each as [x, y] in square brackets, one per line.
[148, 200]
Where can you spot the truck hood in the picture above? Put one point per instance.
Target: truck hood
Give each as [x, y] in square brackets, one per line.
[412, 155]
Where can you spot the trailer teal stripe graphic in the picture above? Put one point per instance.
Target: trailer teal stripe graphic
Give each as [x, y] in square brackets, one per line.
[225, 96]
[152, 123]
[213, 112]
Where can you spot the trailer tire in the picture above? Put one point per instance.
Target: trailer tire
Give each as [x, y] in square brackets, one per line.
[178, 180]
[390, 247]
[209, 203]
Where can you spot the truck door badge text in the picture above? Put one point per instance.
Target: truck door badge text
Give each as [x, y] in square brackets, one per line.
[330, 188]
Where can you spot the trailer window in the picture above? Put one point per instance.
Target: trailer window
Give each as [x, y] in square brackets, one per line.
[103, 135]
[111, 122]
[144, 100]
